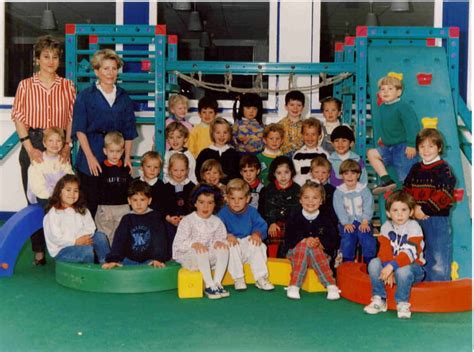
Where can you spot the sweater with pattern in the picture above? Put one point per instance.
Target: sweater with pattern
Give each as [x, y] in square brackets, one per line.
[247, 136]
[302, 161]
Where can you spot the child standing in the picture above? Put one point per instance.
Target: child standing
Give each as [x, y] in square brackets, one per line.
[220, 150]
[400, 258]
[151, 166]
[176, 138]
[245, 231]
[140, 237]
[199, 137]
[113, 184]
[211, 173]
[281, 196]
[247, 131]
[311, 238]
[431, 182]
[342, 139]
[311, 132]
[294, 105]
[273, 135]
[397, 128]
[178, 109]
[354, 206]
[249, 170]
[200, 242]
[69, 228]
[332, 110]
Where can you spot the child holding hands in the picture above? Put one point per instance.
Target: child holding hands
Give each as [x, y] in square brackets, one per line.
[247, 131]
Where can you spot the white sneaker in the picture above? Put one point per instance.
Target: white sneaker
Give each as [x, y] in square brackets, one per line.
[264, 284]
[293, 292]
[377, 305]
[333, 292]
[403, 310]
[239, 284]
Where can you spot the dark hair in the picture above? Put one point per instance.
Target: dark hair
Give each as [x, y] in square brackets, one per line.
[207, 190]
[343, 132]
[331, 100]
[137, 187]
[400, 196]
[248, 100]
[294, 95]
[433, 135]
[280, 160]
[55, 199]
[249, 160]
[47, 42]
[208, 102]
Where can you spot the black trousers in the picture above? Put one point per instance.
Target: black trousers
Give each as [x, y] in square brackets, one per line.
[90, 189]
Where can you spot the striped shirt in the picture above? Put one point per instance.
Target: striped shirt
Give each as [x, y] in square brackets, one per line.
[38, 107]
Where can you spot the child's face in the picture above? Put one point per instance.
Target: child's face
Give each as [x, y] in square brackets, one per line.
[428, 150]
[330, 111]
[250, 112]
[273, 141]
[212, 176]
[207, 115]
[113, 152]
[389, 93]
[221, 135]
[179, 110]
[399, 213]
[176, 140]
[178, 171]
[320, 173]
[69, 194]
[139, 202]
[310, 137]
[249, 174]
[342, 145]
[311, 200]
[283, 175]
[53, 144]
[151, 169]
[350, 179]
[294, 108]
[237, 201]
[205, 205]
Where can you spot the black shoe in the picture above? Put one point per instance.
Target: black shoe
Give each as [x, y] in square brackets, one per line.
[384, 187]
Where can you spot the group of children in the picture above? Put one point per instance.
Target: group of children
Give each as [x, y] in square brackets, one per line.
[295, 187]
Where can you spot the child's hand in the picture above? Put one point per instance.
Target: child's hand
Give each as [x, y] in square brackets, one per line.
[232, 240]
[156, 264]
[199, 247]
[390, 280]
[255, 239]
[128, 162]
[313, 242]
[174, 220]
[219, 244]
[274, 230]
[349, 228]
[111, 265]
[410, 152]
[364, 226]
[386, 272]
[84, 240]
[35, 155]
[419, 214]
[65, 154]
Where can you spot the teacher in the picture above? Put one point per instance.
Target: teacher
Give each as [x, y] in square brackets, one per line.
[101, 108]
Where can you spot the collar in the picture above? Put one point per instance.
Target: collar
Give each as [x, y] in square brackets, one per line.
[182, 150]
[255, 183]
[150, 182]
[36, 80]
[393, 101]
[344, 156]
[332, 124]
[279, 187]
[174, 183]
[316, 149]
[148, 210]
[109, 164]
[310, 216]
[270, 153]
[438, 158]
[99, 87]
[219, 149]
[359, 187]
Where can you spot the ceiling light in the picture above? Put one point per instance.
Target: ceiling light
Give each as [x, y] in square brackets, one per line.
[399, 6]
[182, 5]
[48, 21]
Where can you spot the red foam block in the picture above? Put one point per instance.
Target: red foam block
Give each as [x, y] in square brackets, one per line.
[424, 79]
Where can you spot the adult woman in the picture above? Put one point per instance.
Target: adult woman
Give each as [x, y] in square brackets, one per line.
[99, 109]
[42, 101]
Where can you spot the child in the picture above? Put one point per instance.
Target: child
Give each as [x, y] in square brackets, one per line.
[342, 139]
[220, 150]
[113, 184]
[176, 139]
[273, 135]
[176, 194]
[140, 238]
[69, 228]
[199, 137]
[310, 237]
[150, 164]
[400, 258]
[178, 109]
[396, 128]
[281, 196]
[200, 242]
[249, 170]
[42, 177]
[431, 182]
[294, 105]
[211, 173]
[247, 131]
[354, 206]
[311, 132]
[245, 231]
[332, 110]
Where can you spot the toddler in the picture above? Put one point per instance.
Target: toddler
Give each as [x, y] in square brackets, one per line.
[400, 257]
[150, 165]
[247, 131]
[178, 109]
[211, 173]
[245, 231]
[332, 110]
[199, 137]
[294, 105]
[249, 170]
[273, 135]
[200, 242]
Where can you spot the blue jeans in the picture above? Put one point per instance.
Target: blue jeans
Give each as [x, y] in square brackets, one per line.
[405, 278]
[395, 156]
[85, 254]
[349, 243]
[438, 248]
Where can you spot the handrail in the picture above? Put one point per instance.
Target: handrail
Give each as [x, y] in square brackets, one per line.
[9, 144]
[464, 113]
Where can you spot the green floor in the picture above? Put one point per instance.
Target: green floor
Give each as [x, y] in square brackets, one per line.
[36, 314]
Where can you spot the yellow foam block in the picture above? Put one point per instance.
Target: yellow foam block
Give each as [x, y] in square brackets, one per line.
[249, 279]
[429, 122]
[311, 282]
[279, 274]
[190, 284]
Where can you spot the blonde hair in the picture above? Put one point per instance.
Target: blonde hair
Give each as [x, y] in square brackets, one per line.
[390, 81]
[315, 186]
[114, 137]
[176, 126]
[320, 161]
[54, 130]
[105, 54]
[311, 123]
[175, 99]
[237, 185]
[151, 155]
[177, 157]
[219, 121]
[210, 164]
[274, 127]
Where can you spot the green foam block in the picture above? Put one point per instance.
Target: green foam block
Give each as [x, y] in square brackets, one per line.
[127, 279]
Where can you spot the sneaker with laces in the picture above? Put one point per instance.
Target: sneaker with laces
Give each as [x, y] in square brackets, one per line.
[384, 187]
[264, 284]
[403, 310]
[377, 305]
[239, 284]
[293, 292]
[333, 293]
[212, 292]
[222, 291]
